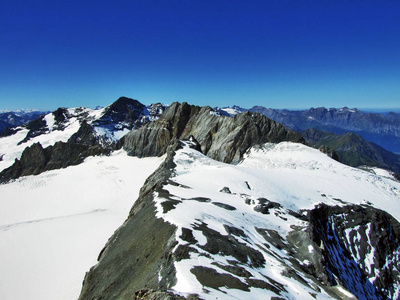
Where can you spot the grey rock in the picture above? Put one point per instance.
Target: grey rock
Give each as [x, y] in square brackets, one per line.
[222, 138]
[36, 159]
[140, 250]
[370, 232]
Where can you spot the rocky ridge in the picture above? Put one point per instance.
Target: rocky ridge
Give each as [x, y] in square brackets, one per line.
[83, 132]
[131, 259]
[329, 251]
[222, 138]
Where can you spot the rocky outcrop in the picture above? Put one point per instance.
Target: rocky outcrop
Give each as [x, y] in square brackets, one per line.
[36, 159]
[221, 138]
[140, 251]
[85, 135]
[360, 246]
[123, 113]
[36, 127]
[328, 151]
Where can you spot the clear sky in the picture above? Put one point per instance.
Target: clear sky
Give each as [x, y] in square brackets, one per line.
[279, 54]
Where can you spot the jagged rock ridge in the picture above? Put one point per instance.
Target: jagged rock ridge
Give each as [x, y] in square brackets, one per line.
[223, 234]
[83, 132]
[132, 258]
[221, 138]
[359, 243]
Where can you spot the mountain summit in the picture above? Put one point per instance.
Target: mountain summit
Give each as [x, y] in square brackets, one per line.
[222, 138]
[68, 135]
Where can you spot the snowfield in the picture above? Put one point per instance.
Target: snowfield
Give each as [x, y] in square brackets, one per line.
[293, 175]
[54, 225]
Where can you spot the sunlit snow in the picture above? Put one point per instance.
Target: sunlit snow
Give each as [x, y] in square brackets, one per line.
[294, 175]
[54, 225]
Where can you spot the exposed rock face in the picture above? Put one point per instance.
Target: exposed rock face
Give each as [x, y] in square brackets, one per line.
[36, 128]
[155, 111]
[328, 151]
[125, 112]
[360, 249]
[146, 294]
[85, 135]
[221, 138]
[36, 159]
[353, 247]
[139, 250]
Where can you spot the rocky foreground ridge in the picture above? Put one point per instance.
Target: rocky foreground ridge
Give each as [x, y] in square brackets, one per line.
[337, 250]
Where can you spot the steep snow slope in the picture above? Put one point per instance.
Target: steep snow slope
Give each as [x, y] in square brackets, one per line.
[53, 225]
[215, 204]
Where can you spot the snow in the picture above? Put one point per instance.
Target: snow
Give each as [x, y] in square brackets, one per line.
[232, 110]
[346, 293]
[382, 172]
[54, 225]
[294, 175]
[214, 113]
[10, 149]
[108, 135]
[49, 118]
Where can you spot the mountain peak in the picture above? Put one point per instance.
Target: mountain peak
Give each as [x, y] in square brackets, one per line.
[222, 138]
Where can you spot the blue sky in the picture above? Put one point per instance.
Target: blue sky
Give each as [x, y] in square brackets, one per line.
[279, 54]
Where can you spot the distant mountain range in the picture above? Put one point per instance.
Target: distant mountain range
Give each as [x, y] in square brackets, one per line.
[380, 128]
[351, 136]
[68, 135]
[352, 150]
[17, 118]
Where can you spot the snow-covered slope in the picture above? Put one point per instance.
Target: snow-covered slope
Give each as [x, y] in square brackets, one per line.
[286, 222]
[230, 111]
[53, 225]
[11, 147]
[103, 126]
[213, 200]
